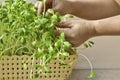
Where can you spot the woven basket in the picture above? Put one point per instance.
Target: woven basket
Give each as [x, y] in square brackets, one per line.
[11, 68]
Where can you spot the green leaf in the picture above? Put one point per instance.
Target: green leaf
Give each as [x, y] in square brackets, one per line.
[58, 16]
[54, 18]
[68, 16]
[38, 55]
[23, 40]
[62, 36]
[43, 21]
[91, 42]
[51, 11]
[34, 43]
[36, 75]
[47, 70]
[41, 0]
[71, 63]
[92, 75]
[48, 59]
[66, 54]
[51, 49]
[86, 45]
[1, 41]
[25, 66]
[1, 37]
[7, 31]
[57, 43]
[67, 45]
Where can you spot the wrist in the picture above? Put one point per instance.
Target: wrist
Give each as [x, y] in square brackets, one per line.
[91, 25]
[98, 27]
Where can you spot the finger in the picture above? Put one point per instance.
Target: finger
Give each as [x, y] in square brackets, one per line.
[49, 4]
[66, 31]
[63, 25]
[67, 36]
[58, 31]
[40, 7]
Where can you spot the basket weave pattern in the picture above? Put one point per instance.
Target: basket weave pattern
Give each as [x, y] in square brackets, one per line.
[11, 68]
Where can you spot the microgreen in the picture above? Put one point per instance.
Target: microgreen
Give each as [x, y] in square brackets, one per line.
[88, 44]
[24, 32]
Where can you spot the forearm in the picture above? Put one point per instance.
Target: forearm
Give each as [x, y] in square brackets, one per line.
[94, 9]
[108, 26]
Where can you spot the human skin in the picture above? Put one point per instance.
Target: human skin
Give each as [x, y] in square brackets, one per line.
[95, 9]
[77, 31]
[87, 9]
[103, 15]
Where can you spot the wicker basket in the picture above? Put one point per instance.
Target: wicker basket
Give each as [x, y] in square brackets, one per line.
[11, 68]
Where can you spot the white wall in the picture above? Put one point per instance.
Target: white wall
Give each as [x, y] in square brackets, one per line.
[104, 54]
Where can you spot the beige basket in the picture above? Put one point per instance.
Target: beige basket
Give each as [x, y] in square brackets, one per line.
[11, 68]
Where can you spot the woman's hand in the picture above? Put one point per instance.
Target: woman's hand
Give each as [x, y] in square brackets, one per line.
[88, 9]
[40, 5]
[61, 6]
[76, 31]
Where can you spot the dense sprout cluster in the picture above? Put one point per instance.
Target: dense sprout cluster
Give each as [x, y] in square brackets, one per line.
[24, 32]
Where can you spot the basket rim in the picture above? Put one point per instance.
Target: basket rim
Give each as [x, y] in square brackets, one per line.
[30, 55]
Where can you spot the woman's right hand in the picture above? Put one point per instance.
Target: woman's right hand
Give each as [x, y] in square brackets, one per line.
[61, 6]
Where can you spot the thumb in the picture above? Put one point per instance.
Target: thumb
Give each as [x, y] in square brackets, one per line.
[39, 5]
[63, 25]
